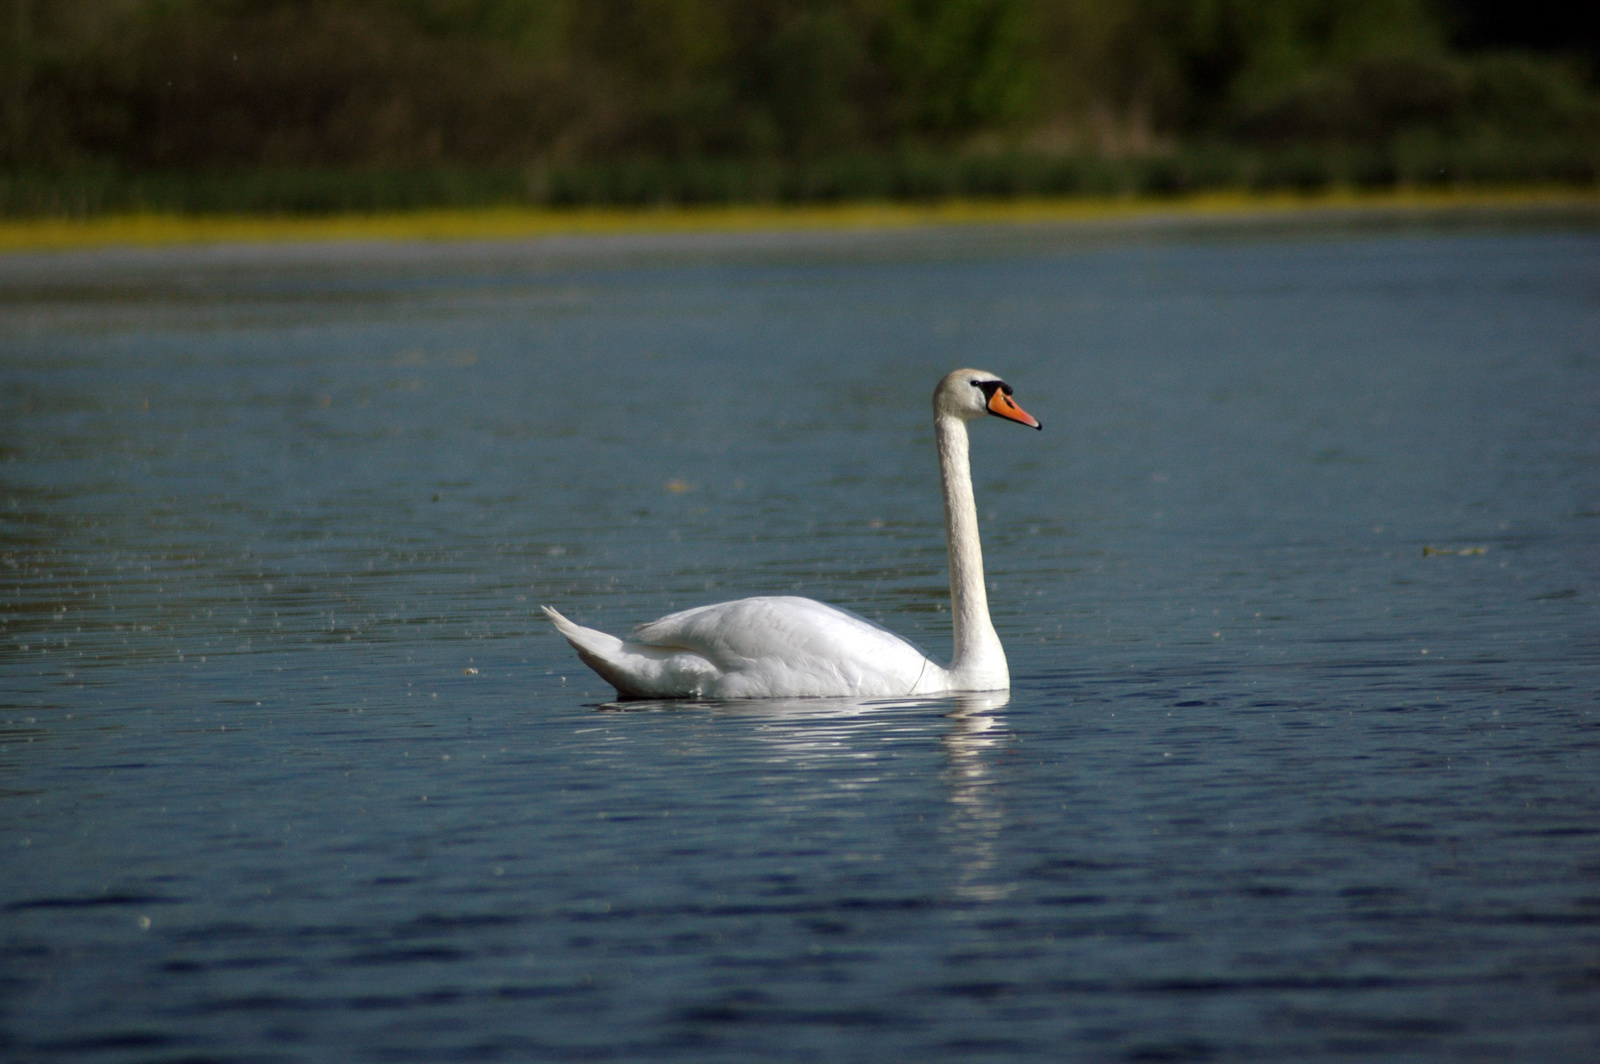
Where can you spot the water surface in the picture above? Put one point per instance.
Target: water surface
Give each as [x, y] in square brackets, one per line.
[1299, 587]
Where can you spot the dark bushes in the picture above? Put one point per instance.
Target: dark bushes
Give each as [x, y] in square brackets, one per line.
[327, 105]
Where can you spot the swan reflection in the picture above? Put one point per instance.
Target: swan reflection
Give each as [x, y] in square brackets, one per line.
[975, 736]
[815, 735]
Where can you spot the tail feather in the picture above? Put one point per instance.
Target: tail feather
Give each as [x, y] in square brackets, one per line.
[636, 670]
[584, 639]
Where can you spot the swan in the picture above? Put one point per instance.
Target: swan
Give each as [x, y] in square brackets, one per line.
[790, 647]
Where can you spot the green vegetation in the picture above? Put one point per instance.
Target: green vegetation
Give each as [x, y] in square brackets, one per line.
[340, 105]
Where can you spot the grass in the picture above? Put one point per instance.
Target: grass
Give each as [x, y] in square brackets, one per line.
[152, 229]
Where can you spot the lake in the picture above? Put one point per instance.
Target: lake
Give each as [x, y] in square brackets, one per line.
[1300, 587]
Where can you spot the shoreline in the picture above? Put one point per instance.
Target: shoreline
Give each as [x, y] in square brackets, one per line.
[525, 223]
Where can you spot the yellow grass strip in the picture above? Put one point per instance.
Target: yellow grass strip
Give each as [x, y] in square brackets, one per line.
[513, 223]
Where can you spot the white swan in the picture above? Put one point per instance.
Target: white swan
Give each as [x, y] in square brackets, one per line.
[784, 647]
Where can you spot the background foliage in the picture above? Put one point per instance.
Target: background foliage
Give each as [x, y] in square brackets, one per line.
[317, 104]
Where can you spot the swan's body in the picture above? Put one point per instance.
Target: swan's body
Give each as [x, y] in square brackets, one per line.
[795, 647]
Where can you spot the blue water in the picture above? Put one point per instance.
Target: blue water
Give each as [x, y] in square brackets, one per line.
[1300, 587]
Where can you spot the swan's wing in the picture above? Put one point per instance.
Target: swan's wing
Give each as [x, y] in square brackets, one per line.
[753, 628]
[785, 645]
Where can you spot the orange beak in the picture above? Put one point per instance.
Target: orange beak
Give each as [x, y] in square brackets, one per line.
[1000, 405]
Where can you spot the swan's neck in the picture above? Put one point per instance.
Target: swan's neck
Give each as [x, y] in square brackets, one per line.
[979, 662]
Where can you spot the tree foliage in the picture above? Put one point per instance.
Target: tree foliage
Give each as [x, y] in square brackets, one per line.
[155, 85]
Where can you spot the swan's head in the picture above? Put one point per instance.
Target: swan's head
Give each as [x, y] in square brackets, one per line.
[971, 393]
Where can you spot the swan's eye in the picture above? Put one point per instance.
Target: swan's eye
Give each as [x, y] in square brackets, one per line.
[990, 387]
